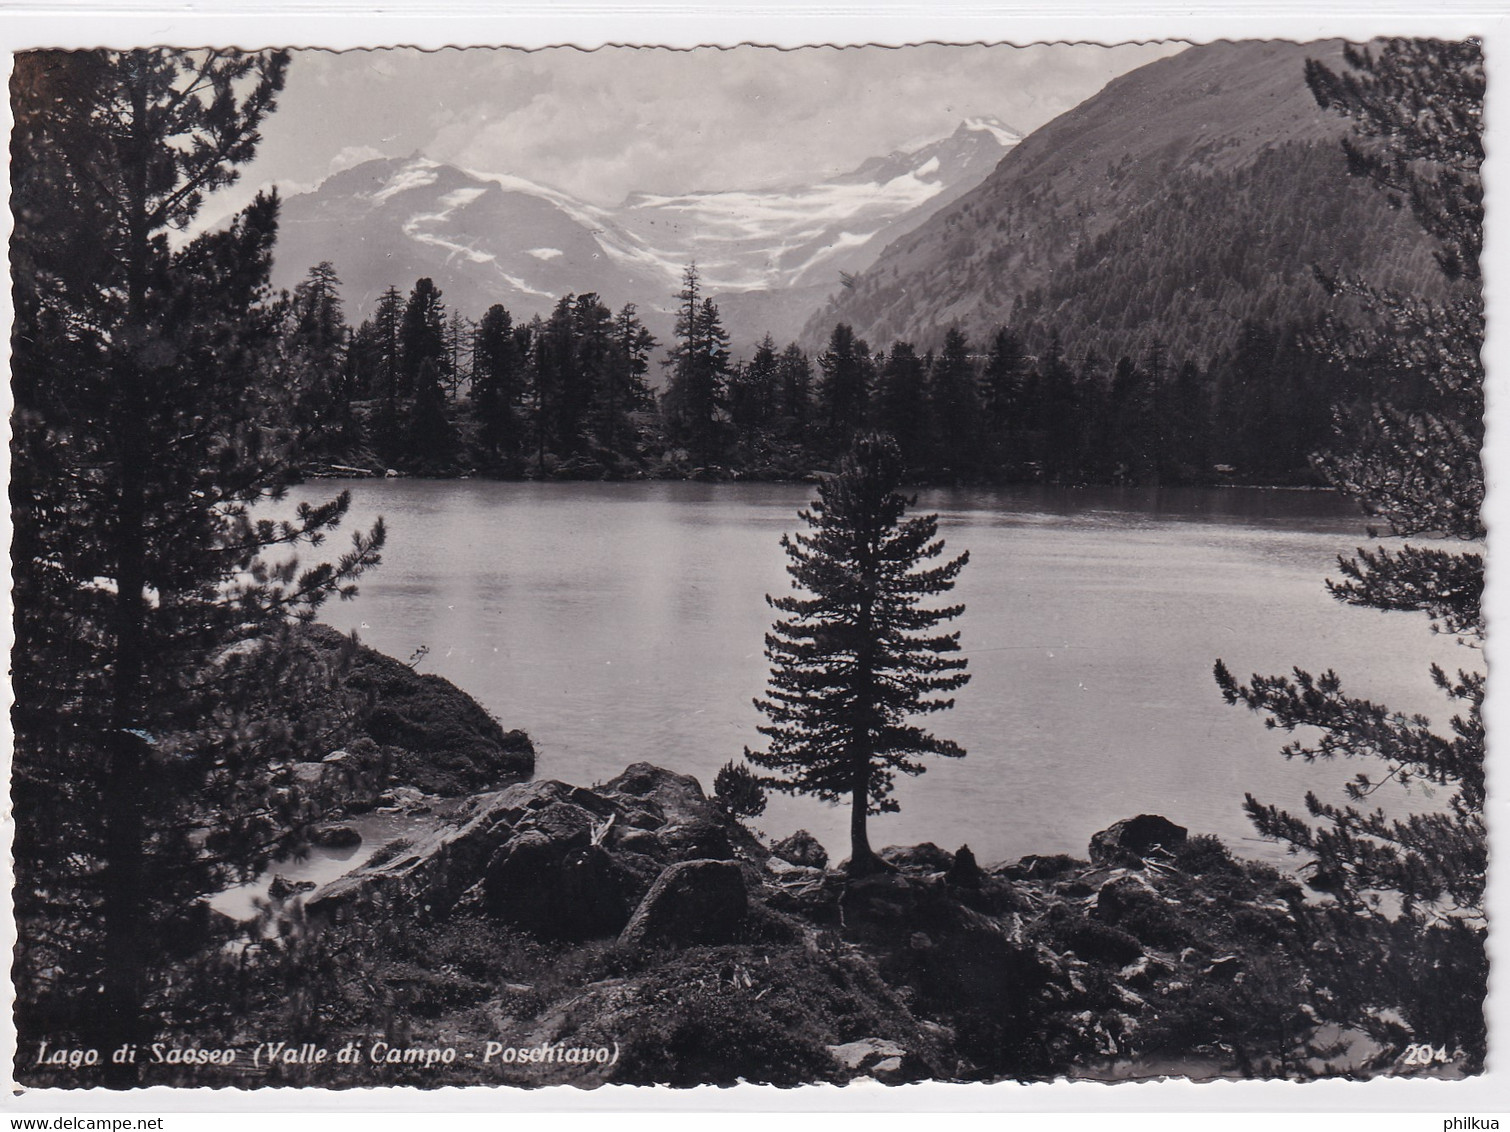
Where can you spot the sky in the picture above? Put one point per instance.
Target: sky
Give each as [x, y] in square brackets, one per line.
[602, 124]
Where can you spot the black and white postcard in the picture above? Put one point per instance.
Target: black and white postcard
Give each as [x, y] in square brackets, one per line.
[951, 563]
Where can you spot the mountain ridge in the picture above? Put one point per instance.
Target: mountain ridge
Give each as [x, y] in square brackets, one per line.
[1185, 197]
[770, 255]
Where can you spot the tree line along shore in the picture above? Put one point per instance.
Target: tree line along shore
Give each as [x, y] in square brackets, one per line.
[421, 390]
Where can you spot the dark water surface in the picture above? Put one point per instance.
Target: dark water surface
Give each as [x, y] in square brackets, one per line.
[624, 622]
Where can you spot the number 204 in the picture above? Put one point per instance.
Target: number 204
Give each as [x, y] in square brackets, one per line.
[1424, 1054]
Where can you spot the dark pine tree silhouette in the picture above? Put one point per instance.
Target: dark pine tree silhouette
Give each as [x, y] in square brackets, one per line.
[858, 654]
[540, 370]
[844, 392]
[1135, 428]
[954, 406]
[380, 354]
[1060, 418]
[387, 323]
[422, 338]
[694, 400]
[460, 333]
[621, 390]
[314, 366]
[146, 430]
[553, 365]
[901, 407]
[1001, 397]
[498, 388]
[1413, 460]
[1186, 422]
[754, 395]
[795, 379]
[430, 439]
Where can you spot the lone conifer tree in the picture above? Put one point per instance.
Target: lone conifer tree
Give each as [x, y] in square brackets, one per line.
[853, 661]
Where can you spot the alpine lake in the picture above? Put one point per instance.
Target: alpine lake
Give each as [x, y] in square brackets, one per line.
[624, 622]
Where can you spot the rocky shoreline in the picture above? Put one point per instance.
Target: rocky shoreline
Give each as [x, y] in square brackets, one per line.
[707, 955]
[638, 915]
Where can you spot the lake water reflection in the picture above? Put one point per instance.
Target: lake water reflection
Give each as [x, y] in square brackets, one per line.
[624, 622]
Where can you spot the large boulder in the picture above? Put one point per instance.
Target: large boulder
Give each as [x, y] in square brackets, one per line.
[445, 742]
[559, 861]
[935, 942]
[691, 826]
[282, 888]
[678, 797]
[880, 1058]
[561, 823]
[965, 871]
[801, 848]
[553, 878]
[1130, 840]
[1131, 904]
[431, 874]
[810, 894]
[691, 902]
[698, 841]
[883, 906]
[1035, 867]
[558, 892]
[643, 841]
[643, 814]
[1123, 897]
[528, 799]
[518, 887]
[927, 856]
[433, 871]
[1095, 941]
[335, 836]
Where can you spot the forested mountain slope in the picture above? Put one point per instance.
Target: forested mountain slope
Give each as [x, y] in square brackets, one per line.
[1187, 197]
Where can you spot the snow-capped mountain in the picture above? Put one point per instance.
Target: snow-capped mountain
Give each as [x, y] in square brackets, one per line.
[808, 234]
[484, 239]
[769, 257]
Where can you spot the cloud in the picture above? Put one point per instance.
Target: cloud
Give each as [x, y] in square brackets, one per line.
[353, 155]
[600, 124]
[605, 123]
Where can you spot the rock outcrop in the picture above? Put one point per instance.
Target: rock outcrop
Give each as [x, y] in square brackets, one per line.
[1131, 840]
[699, 901]
[282, 888]
[558, 861]
[702, 918]
[880, 1058]
[439, 739]
[925, 856]
[686, 823]
[335, 837]
[430, 875]
[801, 848]
[965, 871]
